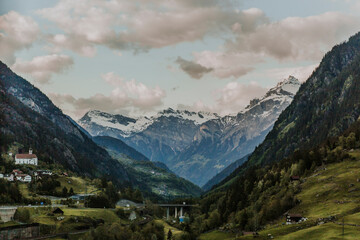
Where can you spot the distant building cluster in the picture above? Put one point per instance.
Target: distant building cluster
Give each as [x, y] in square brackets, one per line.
[17, 175]
[25, 159]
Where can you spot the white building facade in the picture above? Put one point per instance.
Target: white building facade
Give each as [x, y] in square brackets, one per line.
[29, 158]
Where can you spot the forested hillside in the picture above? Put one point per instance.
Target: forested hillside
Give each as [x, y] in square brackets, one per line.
[326, 104]
[262, 195]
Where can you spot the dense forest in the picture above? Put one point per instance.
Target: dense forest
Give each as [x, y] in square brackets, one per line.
[325, 105]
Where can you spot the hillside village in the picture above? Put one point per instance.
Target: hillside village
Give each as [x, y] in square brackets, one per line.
[24, 159]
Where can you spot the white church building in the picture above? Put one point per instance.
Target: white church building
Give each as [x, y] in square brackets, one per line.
[29, 158]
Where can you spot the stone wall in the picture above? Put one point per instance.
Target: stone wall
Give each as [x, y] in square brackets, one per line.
[20, 231]
[7, 213]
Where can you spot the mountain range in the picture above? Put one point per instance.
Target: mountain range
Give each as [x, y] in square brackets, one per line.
[29, 117]
[192, 142]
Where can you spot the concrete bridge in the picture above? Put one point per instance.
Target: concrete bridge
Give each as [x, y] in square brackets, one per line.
[7, 213]
[181, 208]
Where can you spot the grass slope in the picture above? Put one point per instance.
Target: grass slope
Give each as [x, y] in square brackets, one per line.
[331, 191]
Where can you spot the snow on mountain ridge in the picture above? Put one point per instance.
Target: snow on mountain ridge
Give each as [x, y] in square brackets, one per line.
[128, 125]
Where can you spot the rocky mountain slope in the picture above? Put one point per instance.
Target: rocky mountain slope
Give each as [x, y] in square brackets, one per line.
[219, 142]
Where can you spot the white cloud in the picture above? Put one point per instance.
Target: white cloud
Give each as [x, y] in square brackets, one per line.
[138, 94]
[232, 98]
[41, 68]
[140, 25]
[77, 44]
[16, 33]
[225, 65]
[127, 97]
[291, 39]
[296, 38]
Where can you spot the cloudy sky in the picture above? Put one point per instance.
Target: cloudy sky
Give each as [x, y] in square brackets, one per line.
[140, 56]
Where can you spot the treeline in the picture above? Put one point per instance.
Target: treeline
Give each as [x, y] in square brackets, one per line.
[10, 194]
[151, 231]
[111, 194]
[263, 194]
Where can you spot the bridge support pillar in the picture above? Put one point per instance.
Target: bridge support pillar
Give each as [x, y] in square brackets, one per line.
[167, 213]
[181, 212]
[176, 212]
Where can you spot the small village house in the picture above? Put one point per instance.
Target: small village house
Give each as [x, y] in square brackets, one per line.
[16, 172]
[39, 173]
[23, 178]
[295, 178]
[9, 177]
[26, 158]
[58, 211]
[293, 218]
[45, 172]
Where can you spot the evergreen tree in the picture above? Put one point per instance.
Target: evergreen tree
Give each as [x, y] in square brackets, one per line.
[65, 192]
[169, 235]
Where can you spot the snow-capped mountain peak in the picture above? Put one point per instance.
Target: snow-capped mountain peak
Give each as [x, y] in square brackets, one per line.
[197, 117]
[288, 86]
[125, 124]
[283, 90]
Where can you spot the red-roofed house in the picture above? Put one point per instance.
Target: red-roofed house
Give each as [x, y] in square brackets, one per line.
[23, 178]
[29, 158]
[16, 172]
